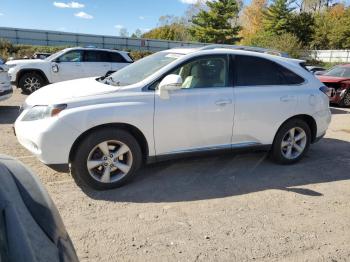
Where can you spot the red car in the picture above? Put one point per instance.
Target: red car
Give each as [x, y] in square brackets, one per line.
[337, 80]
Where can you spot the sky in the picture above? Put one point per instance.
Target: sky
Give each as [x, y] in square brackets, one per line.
[105, 17]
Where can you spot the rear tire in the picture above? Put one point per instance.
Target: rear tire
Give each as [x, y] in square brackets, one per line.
[291, 142]
[106, 159]
[30, 82]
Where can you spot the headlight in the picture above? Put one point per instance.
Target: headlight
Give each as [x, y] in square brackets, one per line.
[42, 112]
[11, 66]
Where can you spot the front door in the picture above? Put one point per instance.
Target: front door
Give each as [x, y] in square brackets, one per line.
[200, 115]
[68, 66]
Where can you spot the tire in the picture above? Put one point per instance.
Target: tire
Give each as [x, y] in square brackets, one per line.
[30, 82]
[345, 102]
[121, 169]
[290, 151]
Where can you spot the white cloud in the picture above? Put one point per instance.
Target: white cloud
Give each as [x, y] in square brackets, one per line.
[1, 14]
[118, 26]
[68, 5]
[84, 15]
[141, 17]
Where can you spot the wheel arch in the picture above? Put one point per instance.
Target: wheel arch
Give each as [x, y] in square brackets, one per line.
[139, 136]
[309, 120]
[31, 70]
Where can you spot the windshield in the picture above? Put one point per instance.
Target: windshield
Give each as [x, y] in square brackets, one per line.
[339, 71]
[55, 55]
[143, 68]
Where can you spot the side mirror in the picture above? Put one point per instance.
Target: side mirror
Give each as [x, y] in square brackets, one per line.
[169, 83]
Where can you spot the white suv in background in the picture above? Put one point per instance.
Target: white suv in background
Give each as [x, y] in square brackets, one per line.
[5, 85]
[68, 64]
[175, 103]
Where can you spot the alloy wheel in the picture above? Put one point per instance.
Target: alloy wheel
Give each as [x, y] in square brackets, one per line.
[32, 83]
[347, 99]
[294, 143]
[109, 161]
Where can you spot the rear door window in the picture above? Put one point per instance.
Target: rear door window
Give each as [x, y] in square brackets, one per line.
[116, 58]
[257, 71]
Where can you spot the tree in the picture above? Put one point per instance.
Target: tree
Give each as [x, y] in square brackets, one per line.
[218, 24]
[332, 28]
[252, 19]
[302, 26]
[137, 34]
[172, 32]
[123, 32]
[278, 17]
[285, 42]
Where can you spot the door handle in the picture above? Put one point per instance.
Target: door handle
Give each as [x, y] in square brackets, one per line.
[223, 102]
[287, 98]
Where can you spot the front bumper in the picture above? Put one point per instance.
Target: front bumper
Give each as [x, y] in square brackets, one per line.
[336, 96]
[50, 140]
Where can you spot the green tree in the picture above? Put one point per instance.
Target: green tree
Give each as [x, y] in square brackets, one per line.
[172, 32]
[278, 17]
[218, 24]
[303, 27]
[332, 28]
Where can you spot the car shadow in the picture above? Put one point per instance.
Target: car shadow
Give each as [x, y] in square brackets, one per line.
[231, 175]
[339, 111]
[8, 114]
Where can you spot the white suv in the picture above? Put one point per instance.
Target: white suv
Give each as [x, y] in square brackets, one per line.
[174, 103]
[68, 64]
[5, 85]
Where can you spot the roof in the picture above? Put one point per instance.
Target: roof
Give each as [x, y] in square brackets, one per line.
[96, 49]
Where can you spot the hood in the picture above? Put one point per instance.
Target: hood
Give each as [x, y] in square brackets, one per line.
[24, 61]
[64, 91]
[331, 79]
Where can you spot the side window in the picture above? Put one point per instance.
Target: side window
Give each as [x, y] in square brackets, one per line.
[116, 58]
[256, 71]
[95, 56]
[206, 72]
[72, 56]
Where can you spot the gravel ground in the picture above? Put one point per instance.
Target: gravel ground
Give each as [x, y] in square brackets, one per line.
[223, 208]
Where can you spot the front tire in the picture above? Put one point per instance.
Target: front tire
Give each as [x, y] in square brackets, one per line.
[345, 102]
[291, 142]
[30, 82]
[106, 159]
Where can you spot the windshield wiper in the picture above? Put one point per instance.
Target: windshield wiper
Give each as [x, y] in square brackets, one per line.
[110, 81]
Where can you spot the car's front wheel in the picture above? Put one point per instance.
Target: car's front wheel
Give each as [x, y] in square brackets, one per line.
[106, 159]
[346, 100]
[291, 142]
[30, 82]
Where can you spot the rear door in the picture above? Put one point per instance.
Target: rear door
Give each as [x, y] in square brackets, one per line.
[264, 98]
[96, 63]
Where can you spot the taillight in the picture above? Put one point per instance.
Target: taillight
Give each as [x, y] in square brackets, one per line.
[324, 90]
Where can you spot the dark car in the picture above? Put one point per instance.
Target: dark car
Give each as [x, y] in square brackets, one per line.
[337, 80]
[31, 228]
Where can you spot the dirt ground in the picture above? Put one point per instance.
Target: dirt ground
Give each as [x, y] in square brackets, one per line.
[223, 208]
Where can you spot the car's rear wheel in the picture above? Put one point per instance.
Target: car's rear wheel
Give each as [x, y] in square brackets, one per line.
[30, 82]
[106, 159]
[291, 142]
[346, 100]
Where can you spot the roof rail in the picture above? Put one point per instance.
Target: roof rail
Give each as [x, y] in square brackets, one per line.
[246, 48]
